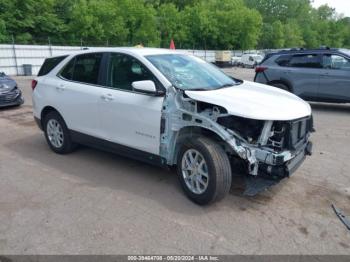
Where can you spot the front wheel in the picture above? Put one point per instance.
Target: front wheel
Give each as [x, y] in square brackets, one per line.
[204, 170]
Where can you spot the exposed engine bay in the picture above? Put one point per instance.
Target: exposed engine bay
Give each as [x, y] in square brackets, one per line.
[269, 149]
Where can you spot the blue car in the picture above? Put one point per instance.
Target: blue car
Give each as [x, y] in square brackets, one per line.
[320, 75]
[10, 95]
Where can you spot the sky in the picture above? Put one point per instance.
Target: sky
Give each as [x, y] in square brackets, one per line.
[341, 6]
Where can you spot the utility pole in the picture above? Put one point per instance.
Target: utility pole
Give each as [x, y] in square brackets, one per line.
[14, 54]
[50, 47]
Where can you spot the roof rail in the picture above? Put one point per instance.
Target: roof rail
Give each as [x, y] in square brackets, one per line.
[297, 49]
[306, 49]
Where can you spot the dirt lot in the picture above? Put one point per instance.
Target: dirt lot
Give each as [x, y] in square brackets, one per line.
[92, 202]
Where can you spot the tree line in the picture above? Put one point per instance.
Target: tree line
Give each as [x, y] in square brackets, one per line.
[199, 24]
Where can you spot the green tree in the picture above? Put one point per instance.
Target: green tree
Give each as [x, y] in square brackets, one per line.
[210, 24]
[273, 35]
[281, 10]
[30, 19]
[346, 25]
[224, 24]
[180, 4]
[293, 34]
[141, 21]
[171, 25]
[3, 33]
[97, 21]
[201, 25]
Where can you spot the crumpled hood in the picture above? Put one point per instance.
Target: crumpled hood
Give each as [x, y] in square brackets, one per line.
[255, 101]
[6, 84]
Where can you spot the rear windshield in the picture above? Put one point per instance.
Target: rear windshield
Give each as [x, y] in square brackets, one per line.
[49, 64]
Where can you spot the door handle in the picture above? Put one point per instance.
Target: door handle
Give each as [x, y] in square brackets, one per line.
[107, 97]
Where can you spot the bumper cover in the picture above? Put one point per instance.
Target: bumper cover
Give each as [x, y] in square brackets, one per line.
[270, 175]
[12, 98]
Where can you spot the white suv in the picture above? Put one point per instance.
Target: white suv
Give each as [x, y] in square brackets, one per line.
[172, 109]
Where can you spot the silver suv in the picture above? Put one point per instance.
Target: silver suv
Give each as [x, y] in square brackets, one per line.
[321, 75]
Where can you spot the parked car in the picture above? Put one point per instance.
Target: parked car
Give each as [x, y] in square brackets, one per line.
[10, 95]
[173, 109]
[236, 61]
[321, 75]
[251, 60]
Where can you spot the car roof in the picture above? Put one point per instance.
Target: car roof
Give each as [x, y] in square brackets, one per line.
[130, 50]
[292, 51]
[300, 51]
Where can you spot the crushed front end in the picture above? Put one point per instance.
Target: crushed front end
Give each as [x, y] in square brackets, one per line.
[272, 150]
[268, 150]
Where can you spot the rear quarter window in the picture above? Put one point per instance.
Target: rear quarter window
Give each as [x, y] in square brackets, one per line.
[50, 64]
[283, 60]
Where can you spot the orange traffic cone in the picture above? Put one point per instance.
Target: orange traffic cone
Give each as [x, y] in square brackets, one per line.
[172, 44]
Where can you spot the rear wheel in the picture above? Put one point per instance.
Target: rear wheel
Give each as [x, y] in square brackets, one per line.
[204, 170]
[57, 134]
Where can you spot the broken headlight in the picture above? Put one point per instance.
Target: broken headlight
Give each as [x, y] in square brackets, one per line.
[249, 129]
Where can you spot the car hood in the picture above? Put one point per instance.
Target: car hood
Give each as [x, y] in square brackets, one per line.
[6, 84]
[255, 101]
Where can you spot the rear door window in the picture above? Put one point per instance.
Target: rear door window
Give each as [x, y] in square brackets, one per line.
[83, 68]
[49, 64]
[87, 68]
[68, 70]
[336, 62]
[306, 61]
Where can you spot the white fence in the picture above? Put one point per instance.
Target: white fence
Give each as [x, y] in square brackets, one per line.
[13, 57]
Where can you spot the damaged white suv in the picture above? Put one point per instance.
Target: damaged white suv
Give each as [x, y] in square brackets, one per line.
[172, 109]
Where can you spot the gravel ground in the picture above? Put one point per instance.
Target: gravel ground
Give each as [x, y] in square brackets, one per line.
[92, 202]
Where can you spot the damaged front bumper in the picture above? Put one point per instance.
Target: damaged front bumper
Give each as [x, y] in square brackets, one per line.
[270, 174]
[11, 98]
[268, 150]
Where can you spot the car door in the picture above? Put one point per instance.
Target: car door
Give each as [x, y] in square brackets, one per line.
[77, 93]
[130, 118]
[335, 79]
[303, 74]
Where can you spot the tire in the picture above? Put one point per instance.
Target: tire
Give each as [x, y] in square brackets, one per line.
[281, 86]
[54, 122]
[216, 165]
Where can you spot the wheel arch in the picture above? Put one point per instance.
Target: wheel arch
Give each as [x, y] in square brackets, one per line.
[194, 131]
[283, 81]
[45, 111]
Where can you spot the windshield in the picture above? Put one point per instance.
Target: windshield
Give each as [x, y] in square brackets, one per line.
[190, 73]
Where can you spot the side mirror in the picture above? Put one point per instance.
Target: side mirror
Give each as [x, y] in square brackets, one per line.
[146, 86]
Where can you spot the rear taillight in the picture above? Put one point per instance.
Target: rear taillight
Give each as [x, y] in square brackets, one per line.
[260, 69]
[34, 83]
